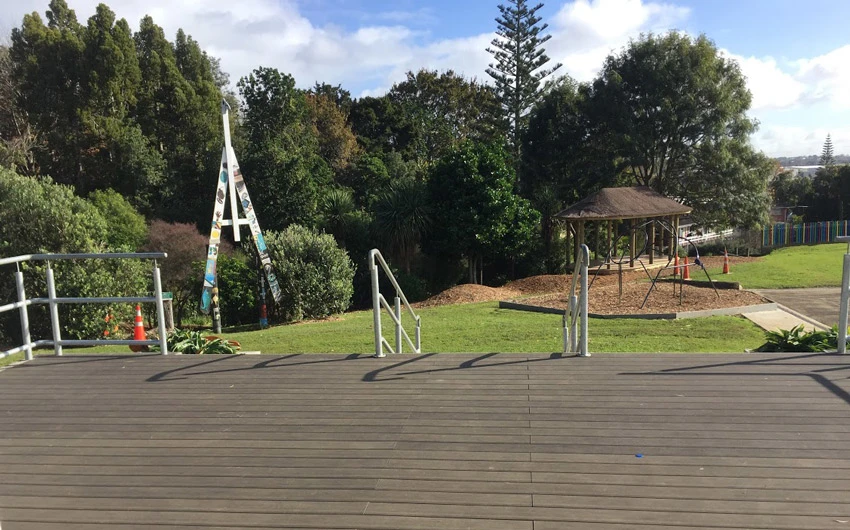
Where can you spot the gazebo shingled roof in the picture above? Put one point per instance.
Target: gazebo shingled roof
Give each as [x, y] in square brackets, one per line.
[623, 203]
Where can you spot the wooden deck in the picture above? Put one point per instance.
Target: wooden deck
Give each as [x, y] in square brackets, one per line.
[433, 441]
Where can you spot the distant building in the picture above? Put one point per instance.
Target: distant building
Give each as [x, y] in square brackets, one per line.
[805, 171]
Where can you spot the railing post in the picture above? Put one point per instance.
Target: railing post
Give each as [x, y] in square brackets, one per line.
[54, 311]
[566, 332]
[376, 306]
[583, 303]
[160, 309]
[845, 298]
[573, 324]
[418, 335]
[398, 325]
[25, 321]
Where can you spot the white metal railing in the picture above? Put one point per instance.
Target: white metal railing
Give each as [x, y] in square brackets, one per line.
[845, 297]
[575, 341]
[378, 301]
[53, 302]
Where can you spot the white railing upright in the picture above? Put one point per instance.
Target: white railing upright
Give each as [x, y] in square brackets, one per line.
[379, 301]
[845, 298]
[53, 301]
[575, 340]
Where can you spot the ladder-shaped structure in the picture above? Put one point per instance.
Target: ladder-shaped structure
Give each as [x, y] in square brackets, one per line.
[230, 182]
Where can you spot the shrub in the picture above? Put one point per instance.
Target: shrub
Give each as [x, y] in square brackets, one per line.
[38, 216]
[126, 228]
[315, 275]
[182, 271]
[237, 289]
[798, 340]
[195, 343]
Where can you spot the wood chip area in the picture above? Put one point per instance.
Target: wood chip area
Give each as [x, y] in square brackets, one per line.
[605, 296]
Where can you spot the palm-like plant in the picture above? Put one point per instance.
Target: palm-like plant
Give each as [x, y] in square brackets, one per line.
[402, 217]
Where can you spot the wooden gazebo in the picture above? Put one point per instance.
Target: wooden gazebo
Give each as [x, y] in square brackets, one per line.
[611, 205]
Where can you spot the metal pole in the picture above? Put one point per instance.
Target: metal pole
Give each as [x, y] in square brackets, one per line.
[573, 324]
[566, 332]
[583, 304]
[398, 325]
[160, 310]
[25, 321]
[418, 335]
[376, 307]
[54, 311]
[845, 295]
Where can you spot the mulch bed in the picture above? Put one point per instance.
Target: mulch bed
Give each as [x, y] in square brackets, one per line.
[604, 294]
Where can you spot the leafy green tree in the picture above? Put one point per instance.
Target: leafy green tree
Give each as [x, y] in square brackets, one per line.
[367, 177]
[475, 212]
[126, 228]
[337, 143]
[338, 95]
[789, 189]
[518, 68]
[282, 161]
[17, 138]
[673, 111]
[440, 110]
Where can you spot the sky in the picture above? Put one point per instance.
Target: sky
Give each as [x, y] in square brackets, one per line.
[795, 55]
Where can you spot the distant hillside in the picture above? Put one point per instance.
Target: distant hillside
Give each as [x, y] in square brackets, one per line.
[809, 160]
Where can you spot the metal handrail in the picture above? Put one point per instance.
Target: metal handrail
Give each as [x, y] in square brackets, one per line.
[575, 340]
[379, 301]
[845, 297]
[53, 302]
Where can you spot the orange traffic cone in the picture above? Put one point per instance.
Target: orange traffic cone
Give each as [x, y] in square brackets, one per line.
[686, 272]
[725, 262]
[138, 331]
[676, 266]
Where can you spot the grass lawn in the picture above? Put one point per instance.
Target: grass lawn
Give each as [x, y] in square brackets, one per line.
[484, 328]
[790, 267]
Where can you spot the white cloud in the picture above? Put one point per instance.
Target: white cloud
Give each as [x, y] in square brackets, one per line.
[827, 77]
[771, 87]
[585, 32]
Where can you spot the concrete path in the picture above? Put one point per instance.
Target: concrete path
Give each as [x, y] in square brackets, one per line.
[777, 319]
[820, 304]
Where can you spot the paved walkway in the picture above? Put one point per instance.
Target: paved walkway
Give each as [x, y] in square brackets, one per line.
[820, 304]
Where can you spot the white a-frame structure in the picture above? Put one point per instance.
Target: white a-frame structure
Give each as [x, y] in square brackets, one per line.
[230, 181]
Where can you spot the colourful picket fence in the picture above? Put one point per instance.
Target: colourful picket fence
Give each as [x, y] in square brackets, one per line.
[786, 234]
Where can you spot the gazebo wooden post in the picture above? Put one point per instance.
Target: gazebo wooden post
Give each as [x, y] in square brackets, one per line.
[567, 245]
[670, 250]
[652, 243]
[579, 239]
[632, 243]
[608, 257]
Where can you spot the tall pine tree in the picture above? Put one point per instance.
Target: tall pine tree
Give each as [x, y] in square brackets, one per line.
[827, 158]
[518, 69]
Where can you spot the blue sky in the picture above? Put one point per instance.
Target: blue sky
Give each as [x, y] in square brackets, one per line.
[795, 55]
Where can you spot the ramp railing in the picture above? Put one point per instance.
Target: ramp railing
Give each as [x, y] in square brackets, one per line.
[845, 297]
[575, 340]
[379, 301]
[53, 301]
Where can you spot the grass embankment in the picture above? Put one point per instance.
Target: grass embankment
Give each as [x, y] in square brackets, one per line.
[790, 267]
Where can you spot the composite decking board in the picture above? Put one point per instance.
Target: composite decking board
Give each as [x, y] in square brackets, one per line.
[733, 441]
